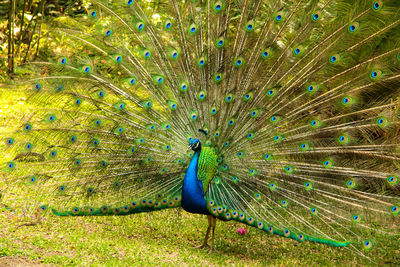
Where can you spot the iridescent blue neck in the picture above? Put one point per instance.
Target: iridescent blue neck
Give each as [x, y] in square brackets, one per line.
[192, 192]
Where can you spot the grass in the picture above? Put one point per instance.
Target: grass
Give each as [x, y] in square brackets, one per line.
[166, 238]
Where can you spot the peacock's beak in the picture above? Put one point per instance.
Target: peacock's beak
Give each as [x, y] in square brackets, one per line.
[189, 147]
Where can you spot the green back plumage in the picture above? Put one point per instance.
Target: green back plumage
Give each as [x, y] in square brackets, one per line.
[299, 99]
[207, 166]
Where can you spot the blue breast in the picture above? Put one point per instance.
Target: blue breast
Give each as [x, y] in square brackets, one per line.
[192, 192]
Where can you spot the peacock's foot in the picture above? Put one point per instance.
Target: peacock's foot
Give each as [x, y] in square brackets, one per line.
[202, 246]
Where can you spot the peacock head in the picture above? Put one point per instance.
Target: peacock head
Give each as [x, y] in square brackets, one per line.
[195, 145]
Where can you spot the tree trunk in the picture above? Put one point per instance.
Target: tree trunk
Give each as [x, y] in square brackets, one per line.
[11, 20]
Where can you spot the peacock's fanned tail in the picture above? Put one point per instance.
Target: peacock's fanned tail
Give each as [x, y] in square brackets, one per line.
[299, 99]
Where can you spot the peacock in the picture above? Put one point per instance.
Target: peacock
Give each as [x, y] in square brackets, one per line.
[281, 115]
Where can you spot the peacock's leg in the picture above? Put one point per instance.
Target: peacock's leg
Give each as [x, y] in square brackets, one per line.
[204, 245]
[213, 224]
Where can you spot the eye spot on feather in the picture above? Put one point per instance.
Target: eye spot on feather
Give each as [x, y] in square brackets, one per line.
[184, 87]
[9, 141]
[351, 184]
[356, 218]
[315, 16]
[129, 2]
[286, 233]
[240, 154]
[278, 17]
[333, 59]
[382, 122]
[289, 169]
[192, 29]
[27, 127]
[63, 61]
[267, 156]
[140, 26]
[108, 33]
[346, 101]
[28, 146]
[314, 211]
[250, 135]
[304, 146]
[277, 138]
[93, 14]
[308, 186]
[367, 245]
[10, 165]
[327, 163]
[249, 27]
[377, 5]
[392, 179]
[395, 210]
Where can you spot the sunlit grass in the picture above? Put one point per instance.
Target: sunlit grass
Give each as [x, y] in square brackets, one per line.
[167, 238]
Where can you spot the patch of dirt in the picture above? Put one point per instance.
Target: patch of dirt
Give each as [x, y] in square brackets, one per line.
[18, 262]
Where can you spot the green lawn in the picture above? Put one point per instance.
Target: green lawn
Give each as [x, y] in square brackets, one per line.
[165, 238]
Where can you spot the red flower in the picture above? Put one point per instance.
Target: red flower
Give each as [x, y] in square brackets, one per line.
[241, 231]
